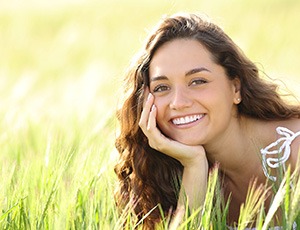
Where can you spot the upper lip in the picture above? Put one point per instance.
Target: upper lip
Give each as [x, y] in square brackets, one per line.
[184, 119]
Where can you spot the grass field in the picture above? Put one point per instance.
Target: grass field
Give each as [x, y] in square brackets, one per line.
[61, 66]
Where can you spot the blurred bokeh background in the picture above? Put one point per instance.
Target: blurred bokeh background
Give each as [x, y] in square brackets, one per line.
[61, 71]
[64, 59]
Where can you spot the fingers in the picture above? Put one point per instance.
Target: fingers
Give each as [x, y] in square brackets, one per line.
[146, 94]
[152, 118]
[143, 123]
[187, 155]
[148, 122]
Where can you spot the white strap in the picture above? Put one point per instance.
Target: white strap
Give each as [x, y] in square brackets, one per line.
[282, 152]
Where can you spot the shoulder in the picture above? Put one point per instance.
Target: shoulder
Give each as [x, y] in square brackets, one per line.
[284, 142]
[295, 147]
[294, 126]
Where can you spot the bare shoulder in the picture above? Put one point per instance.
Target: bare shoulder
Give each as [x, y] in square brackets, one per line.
[294, 126]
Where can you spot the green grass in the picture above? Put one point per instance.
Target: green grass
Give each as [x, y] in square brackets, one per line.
[60, 82]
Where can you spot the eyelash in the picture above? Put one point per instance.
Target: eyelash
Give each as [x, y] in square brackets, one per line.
[198, 82]
[159, 88]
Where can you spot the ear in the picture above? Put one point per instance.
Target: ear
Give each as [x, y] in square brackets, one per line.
[237, 90]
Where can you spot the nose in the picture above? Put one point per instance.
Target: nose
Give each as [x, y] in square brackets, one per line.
[180, 99]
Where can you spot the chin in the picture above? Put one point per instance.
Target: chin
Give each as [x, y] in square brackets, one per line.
[189, 141]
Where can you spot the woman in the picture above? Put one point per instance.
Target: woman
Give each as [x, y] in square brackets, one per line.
[195, 99]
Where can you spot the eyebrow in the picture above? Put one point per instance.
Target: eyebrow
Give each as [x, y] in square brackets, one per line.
[188, 73]
[196, 70]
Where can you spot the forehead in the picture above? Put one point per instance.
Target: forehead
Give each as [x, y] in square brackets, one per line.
[180, 55]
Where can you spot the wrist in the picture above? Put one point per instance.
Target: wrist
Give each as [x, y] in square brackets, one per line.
[198, 162]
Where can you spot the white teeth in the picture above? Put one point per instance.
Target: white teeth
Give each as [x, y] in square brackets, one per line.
[186, 120]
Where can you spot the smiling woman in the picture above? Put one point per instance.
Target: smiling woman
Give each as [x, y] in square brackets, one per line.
[196, 100]
[193, 87]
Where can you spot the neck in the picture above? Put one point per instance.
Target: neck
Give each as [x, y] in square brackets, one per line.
[237, 149]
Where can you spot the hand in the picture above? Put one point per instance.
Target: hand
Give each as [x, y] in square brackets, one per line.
[188, 156]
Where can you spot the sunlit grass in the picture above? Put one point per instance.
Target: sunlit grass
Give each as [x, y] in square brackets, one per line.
[60, 82]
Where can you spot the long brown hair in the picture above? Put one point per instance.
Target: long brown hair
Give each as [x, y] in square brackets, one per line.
[147, 177]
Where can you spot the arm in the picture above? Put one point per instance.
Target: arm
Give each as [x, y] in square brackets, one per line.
[193, 158]
[194, 184]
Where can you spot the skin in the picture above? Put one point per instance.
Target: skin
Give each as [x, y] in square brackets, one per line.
[186, 83]
[190, 84]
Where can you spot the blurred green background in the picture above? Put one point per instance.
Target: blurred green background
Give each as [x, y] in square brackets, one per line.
[62, 58]
[61, 70]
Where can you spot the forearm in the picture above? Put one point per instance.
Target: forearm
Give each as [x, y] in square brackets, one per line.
[194, 185]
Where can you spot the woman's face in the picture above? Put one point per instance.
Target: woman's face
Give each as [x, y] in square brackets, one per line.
[195, 100]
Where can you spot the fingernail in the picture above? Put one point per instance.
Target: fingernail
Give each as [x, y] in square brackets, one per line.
[149, 96]
[153, 107]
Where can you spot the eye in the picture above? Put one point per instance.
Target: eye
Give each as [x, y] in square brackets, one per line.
[198, 81]
[160, 88]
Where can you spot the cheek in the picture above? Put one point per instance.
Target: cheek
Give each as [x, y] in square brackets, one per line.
[222, 107]
[161, 107]
[223, 95]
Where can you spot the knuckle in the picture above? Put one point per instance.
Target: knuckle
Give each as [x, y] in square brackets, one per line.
[140, 123]
[155, 145]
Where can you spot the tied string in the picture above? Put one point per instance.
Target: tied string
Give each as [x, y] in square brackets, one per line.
[282, 151]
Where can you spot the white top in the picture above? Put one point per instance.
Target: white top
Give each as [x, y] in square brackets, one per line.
[280, 148]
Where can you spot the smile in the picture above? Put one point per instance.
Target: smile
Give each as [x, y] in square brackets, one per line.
[187, 119]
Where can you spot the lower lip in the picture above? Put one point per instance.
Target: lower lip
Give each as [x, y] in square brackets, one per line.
[188, 125]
